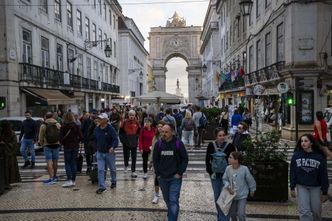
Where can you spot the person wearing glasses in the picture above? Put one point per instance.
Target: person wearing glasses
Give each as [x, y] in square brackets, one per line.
[240, 136]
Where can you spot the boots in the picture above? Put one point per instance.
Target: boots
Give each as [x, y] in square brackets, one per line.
[32, 165]
[26, 164]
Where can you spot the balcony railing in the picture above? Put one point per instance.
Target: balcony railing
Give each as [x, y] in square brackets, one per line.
[46, 77]
[268, 73]
[229, 85]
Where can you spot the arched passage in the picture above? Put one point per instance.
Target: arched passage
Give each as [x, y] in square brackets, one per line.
[177, 74]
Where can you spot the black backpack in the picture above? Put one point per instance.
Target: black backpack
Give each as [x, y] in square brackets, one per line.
[52, 133]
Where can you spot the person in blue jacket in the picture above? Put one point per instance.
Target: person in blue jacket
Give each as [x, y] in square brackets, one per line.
[106, 140]
[308, 174]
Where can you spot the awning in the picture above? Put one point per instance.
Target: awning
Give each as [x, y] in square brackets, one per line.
[53, 97]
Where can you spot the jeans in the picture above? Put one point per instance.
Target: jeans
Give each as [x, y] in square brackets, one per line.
[199, 137]
[187, 137]
[170, 188]
[238, 210]
[145, 156]
[24, 145]
[217, 186]
[102, 160]
[70, 163]
[126, 152]
[309, 205]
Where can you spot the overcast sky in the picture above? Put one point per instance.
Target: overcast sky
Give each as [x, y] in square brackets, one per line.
[154, 13]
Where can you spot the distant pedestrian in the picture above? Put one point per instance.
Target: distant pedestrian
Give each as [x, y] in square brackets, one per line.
[241, 136]
[156, 137]
[145, 142]
[223, 121]
[168, 118]
[320, 133]
[308, 174]
[28, 138]
[188, 128]
[220, 144]
[71, 136]
[170, 161]
[106, 141]
[197, 116]
[238, 179]
[49, 138]
[236, 119]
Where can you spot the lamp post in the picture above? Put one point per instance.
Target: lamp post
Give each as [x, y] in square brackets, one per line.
[245, 7]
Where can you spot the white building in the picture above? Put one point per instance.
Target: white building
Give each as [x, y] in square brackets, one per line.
[52, 54]
[133, 60]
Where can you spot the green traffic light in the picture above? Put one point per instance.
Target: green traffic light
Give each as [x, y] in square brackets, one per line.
[290, 101]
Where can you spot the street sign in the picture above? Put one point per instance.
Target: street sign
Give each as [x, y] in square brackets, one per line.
[259, 89]
[283, 87]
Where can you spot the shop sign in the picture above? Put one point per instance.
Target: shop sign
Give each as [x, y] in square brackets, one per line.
[283, 87]
[259, 89]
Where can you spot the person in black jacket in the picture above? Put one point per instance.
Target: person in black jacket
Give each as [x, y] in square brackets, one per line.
[29, 134]
[308, 174]
[240, 136]
[170, 161]
[219, 144]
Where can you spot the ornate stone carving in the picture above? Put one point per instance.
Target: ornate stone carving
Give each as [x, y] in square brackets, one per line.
[176, 21]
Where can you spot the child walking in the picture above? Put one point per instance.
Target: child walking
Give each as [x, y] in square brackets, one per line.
[308, 173]
[239, 177]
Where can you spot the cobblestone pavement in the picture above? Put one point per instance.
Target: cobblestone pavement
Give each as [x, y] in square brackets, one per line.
[131, 200]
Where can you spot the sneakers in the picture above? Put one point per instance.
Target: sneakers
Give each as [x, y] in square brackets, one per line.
[67, 184]
[113, 185]
[26, 164]
[155, 198]
[32, 166]
[125, 170]
[49, 182]
[101, 190]
[133, 175]
[55, 179]
[145, 176]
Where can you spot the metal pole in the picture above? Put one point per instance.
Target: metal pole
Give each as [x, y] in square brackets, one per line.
[297, 102]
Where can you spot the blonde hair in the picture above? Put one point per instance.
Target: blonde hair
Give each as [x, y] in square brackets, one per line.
[188, 115]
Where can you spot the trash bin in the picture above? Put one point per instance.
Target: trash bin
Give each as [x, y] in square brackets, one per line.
[2, 171]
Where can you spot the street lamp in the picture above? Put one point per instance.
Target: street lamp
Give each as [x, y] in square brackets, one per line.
[246, 6]
[204, 68]
[90, 44]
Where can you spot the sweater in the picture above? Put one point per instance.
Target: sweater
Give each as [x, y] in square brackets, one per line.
[242, 180]
[168, 161]
[28, 129]
[145, 139]
[309, 169]
[105, 138]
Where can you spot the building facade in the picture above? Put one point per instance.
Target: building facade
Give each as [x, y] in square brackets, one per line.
[52, 55]
[133, 60]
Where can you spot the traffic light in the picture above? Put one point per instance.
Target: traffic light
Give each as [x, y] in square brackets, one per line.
[290, 99]
[2, 103]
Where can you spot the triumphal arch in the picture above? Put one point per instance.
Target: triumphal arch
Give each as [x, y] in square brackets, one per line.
[177, 40]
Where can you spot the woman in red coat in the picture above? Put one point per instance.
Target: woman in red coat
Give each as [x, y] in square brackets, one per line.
[145, 143]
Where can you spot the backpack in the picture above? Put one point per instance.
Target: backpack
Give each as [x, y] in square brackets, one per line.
[188, 125]
[52, 133]
[203, 121]
[219, 159]
[177, 144]
[178, 119]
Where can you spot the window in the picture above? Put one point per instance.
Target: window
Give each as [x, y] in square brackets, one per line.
[95, 69]
[105, 38]
[88, 67]
[45, 57]
[100, 38]
[87, 29]
[27, 47]
[268, 49]
[114, 78]
[59, 57]
[43, 6]
[110, 17]
[106, 74]
[114, 49]
[94, 32]
[259, 55]
[267, 3]
[99, 3]
[258, 12]
[57, 10]
[280, 43]
[94, 4]
[80, 70]
[105, 14]
[79, 22]
[69, 15]
[71, 66]
[101, 74]
[114, 22]
[251, 58]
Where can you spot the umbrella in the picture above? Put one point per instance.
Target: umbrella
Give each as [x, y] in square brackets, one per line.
[159, 97]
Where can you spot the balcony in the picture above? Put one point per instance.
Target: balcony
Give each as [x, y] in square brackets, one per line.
[49, 78]
[230, 85]
[266, 74]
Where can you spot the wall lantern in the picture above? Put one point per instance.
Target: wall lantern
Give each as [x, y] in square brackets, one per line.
[204, 68]
[246, 6]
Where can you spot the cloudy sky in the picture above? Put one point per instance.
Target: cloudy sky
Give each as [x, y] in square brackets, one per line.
[154, 13]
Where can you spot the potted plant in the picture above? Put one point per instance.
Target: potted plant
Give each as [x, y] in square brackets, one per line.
[266, 160]
[212, 115]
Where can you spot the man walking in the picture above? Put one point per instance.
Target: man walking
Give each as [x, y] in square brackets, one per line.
[29, 134]
[199, 119]
[49, 138]
[106, 141]
[170, 160]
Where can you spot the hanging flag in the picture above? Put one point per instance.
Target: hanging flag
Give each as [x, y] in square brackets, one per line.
[241, 72]
[228, 76]
[222, 77]
[233, 76]
[236, 74]
[217, 77]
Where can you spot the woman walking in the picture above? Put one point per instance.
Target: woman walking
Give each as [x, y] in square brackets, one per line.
[71, 136]
[145, 143]
[219, 144]
[188, 128]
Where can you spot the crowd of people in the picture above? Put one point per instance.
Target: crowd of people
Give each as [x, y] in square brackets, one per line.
[162, 140]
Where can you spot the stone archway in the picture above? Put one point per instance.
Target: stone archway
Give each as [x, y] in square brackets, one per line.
[177, 40]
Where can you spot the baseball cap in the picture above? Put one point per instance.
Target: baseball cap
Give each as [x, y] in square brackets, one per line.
[103, 116]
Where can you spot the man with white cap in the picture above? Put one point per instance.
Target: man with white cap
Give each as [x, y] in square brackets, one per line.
[106, 141]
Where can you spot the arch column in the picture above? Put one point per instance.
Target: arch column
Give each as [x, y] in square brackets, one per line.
[160, 78]
[194, 83]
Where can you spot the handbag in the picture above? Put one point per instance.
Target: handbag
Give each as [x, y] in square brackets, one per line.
[225, 200]
[79, 160]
